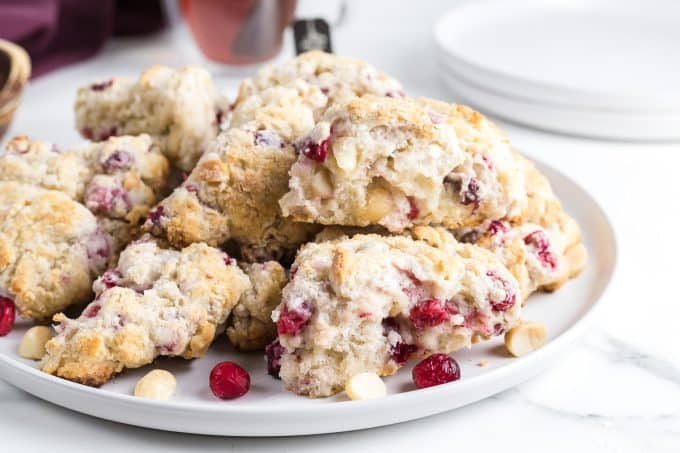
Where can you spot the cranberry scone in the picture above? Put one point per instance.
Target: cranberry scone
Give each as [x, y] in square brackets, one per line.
[490, 183]
[368, 303]
[400, 163]
[51, 249]
[250, 326]
[232, 196]
[373, 161]
[155, 302]
[339, 79]
[180, 108]
[120, 178]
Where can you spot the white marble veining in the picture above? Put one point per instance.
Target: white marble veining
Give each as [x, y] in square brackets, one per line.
[617, 390]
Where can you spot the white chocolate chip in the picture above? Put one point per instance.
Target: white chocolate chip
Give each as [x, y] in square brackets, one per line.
[525, 338]
[32, 344]
[378, 204]
[156, 385]
[345, 154]
[321, 184]
[364, 386]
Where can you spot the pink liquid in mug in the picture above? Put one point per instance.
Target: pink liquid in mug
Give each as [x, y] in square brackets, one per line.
[238, 31]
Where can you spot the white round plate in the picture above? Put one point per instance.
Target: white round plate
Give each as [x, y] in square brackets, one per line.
[602, 54]
[565, 119]
[267, 410]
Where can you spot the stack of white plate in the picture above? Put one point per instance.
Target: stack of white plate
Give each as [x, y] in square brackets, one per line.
[602, 68]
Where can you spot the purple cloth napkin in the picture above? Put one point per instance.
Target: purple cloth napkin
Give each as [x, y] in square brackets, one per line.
[60, 32]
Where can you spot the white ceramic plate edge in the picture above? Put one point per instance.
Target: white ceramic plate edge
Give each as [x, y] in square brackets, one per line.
[592, 123]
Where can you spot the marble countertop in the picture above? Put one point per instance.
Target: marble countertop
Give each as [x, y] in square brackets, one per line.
[617, 390]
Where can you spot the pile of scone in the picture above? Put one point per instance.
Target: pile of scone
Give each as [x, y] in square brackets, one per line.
[323, 217]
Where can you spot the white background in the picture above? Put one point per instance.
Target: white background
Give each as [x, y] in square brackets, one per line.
[618, 390]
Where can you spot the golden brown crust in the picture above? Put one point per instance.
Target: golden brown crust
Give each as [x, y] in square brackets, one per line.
[155, 302]
[250, 326]
[50, 249]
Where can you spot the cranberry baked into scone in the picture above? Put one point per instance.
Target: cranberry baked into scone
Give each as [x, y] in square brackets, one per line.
[250, 326]
[368, 303]
[490, 183]
[120, 178]
[338, 78]
[51, 249]
[543, 249]
[155, 302]
[400, 163]
[179, 108]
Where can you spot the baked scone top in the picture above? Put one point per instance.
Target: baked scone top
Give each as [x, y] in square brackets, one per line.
[51, 249]
[373, 161]
[156, 301]
[119, 178]
[338, 78]
[179, 108]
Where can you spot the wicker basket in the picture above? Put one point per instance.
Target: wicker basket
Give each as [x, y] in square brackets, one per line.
[15, 69]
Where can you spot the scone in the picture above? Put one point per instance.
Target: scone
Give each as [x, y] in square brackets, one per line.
[155, 302]
[179, 108]
[543, 249]
[374, 161]
[120, 178]
[368, 303]
[400, 163]
[250, 326]
[232, 195]
[490, 183]
[51, 249]
[338, 79]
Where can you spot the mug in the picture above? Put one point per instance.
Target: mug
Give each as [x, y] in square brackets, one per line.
[238, 32]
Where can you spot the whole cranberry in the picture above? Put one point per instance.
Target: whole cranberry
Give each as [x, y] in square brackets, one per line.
[229, 381]
[435, 370]
[6, 315]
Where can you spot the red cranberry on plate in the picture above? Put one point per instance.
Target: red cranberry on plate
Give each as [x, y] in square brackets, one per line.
[435, 370]
[228, 381]
[6, 315]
